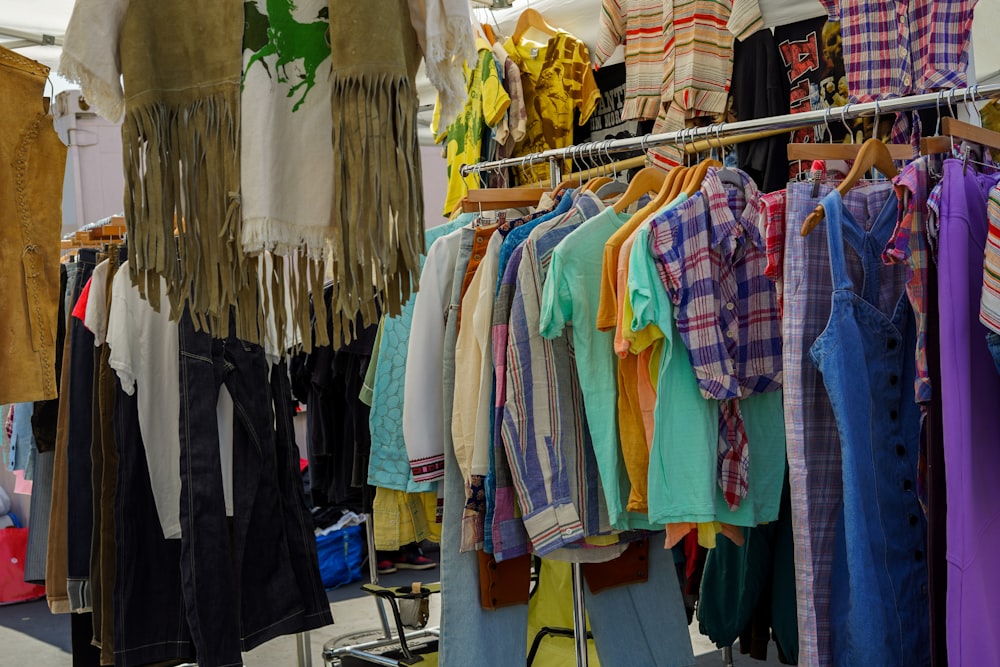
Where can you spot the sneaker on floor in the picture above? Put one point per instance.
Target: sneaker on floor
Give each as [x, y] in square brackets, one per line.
[413, 560]
[386, 567]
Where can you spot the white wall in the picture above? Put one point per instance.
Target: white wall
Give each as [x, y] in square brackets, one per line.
[435, 184]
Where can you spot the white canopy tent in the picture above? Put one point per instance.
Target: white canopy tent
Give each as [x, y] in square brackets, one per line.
[35, 29]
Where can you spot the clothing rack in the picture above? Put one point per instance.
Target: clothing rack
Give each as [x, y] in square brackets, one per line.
[715, 134]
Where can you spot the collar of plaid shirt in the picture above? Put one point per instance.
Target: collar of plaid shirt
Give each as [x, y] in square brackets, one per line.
[725, 225]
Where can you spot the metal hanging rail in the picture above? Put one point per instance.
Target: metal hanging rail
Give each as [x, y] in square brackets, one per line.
[847, 112]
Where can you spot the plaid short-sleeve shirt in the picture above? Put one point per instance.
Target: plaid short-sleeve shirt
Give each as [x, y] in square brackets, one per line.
[903, 47]
[712, 263]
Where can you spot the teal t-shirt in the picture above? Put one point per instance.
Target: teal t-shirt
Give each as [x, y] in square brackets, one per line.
[571, 292]
[682, 461]
[389, 465]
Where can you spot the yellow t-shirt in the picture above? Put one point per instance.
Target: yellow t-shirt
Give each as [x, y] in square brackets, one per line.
[486, 104]
[558, 80]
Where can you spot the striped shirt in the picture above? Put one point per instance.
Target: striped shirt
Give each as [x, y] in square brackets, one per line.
[638, 24]
[504, 535]
[543, 427]
[700, 68]
[989, 313]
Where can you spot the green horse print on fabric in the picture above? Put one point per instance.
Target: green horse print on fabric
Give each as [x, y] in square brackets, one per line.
[278, 33]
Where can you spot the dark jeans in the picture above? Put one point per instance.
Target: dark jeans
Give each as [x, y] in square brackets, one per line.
[298, 521]
[239, 578]
[993, 343]
[80, 491]
[149, 620]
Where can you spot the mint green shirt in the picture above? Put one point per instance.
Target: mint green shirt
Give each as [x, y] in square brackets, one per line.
[682, 462]
[570, 295]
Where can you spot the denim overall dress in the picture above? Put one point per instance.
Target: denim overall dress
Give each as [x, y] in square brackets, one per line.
[878, 603]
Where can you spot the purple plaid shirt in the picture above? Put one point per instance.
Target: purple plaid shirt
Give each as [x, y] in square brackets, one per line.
[903, 47]
[712, 264]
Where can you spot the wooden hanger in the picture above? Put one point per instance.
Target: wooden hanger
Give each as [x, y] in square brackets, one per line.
[957, 129]
[649, 179]
[814, 151]
[531, 18]
[677, 185]
[494, 199]
[671, 183]
[873, 153]
[692, 181]
[954, 129]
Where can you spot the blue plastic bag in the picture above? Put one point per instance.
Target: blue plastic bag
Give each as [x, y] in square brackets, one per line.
[341, 554]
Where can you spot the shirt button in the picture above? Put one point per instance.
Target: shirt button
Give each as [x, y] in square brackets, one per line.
[907, 485]
[892, 343]
[900, 450]
[477, 257]
[730, 335]
[913, 519]
[893, 379]
[730, 306]
[567, 531]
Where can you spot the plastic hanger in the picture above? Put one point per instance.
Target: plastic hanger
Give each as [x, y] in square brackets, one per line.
[609, 186]
[531, 18]
[873, 154]
[725, 174]
[488, 32]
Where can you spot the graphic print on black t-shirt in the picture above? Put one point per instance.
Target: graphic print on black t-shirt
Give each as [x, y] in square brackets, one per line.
[813, 56]
[607, 123]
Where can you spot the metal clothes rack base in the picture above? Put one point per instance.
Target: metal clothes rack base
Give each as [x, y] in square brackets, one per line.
[333, 654]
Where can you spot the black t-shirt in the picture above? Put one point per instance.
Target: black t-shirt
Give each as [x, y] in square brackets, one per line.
[606, 121]
[759, 90]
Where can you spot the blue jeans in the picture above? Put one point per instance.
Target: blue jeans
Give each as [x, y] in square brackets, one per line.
[643, 624]
[238, 577]
[993, 342]
[879, 606]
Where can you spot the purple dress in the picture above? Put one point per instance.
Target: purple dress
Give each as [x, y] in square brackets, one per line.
[969, 393]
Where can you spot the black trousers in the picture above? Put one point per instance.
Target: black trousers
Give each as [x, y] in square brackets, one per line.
[241, 578]
[150, 621]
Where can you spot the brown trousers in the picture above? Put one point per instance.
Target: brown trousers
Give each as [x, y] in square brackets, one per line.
[105, 477]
